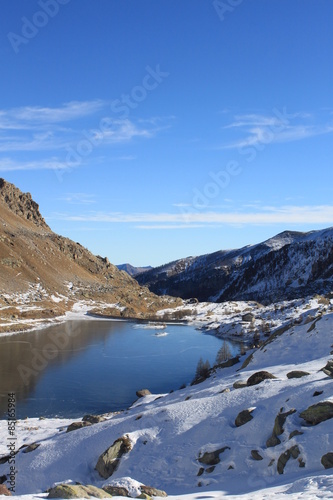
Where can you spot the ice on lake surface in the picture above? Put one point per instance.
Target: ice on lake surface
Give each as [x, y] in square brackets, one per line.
[96, 366]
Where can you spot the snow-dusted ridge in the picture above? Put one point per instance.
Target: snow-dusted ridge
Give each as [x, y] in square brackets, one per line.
[289, 265]
[170, 432]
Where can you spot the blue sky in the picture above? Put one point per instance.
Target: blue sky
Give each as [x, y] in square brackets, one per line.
[152, 130]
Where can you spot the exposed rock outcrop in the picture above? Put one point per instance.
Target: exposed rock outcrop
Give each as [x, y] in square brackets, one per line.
[318, 413]
[77, 491]
[212, 457]
[244, 417]
[327, 460]
[109, 461]
[297, 374]
[259, 377]
[278, 428]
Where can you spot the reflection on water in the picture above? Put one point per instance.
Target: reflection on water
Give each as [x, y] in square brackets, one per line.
[96, 366]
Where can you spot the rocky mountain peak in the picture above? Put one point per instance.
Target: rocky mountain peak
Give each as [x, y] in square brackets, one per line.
[20, 203]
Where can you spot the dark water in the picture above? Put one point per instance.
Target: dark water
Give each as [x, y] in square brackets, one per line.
[96, 366]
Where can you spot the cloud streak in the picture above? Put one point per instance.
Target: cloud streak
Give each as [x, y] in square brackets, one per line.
[36, 128]
[264, 129]
[320, 214]
[31, 115]
[9, 165]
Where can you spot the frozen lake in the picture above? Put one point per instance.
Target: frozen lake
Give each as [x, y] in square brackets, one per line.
[96, 366]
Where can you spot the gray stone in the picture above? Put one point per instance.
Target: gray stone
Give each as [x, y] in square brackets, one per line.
[295, 433]
[93, 419]
[256, 455]
[77, 491]
[327, 460]
[243, 417]
[117, 491]
[143, 392]
[212, 457]
[272, 441]
[153, 492]
[318, 413]
[278, 428]
[283, 459]
[31, 447]
[239, 384]
[259, 377]
[109, 461]
[297, 374]
[328, 369]
[77, 425]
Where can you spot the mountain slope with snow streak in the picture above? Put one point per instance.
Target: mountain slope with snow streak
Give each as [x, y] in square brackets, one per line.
[287, 266]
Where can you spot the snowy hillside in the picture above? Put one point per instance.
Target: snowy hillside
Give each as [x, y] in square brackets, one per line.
[288, 266]
[229, 435]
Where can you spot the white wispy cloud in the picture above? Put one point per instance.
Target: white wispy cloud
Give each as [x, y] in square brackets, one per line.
[319, 214]
[9, 165]
[36, 128]
[31, 115]
[79, 198]
[276, 128]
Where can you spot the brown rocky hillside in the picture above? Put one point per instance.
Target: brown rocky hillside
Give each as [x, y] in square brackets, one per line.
[42, 274]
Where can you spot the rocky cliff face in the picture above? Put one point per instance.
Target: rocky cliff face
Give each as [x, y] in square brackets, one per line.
[43, 274]
[21, 204]
[288, 266]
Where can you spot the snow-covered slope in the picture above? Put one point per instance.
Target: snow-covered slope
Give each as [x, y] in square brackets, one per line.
[290, 265]
[170, 433]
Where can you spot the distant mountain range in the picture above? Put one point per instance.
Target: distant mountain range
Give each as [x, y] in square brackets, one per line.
[132, 270]
[289, 265]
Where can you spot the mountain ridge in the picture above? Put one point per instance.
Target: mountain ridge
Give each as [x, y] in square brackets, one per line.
[133, 270]
[286, 266]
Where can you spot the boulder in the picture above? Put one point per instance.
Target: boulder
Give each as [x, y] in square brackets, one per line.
[259, 377]
[4, 491]
[317, 393]
[143, 392]
[77, 491]
[229, 362]
[318, 413]
[248, 318]
[244, 417]
[297, 374]
[93, 419]
[239, 384]
[328, 369]
[327, 460]
[283, 459]
[212, 457]
[31, 447]
[77, 425]
[117, 491]
[295, 433]
[272, 441]
[256, 455]
[153, 492]
[278, 428]
[109, 461]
